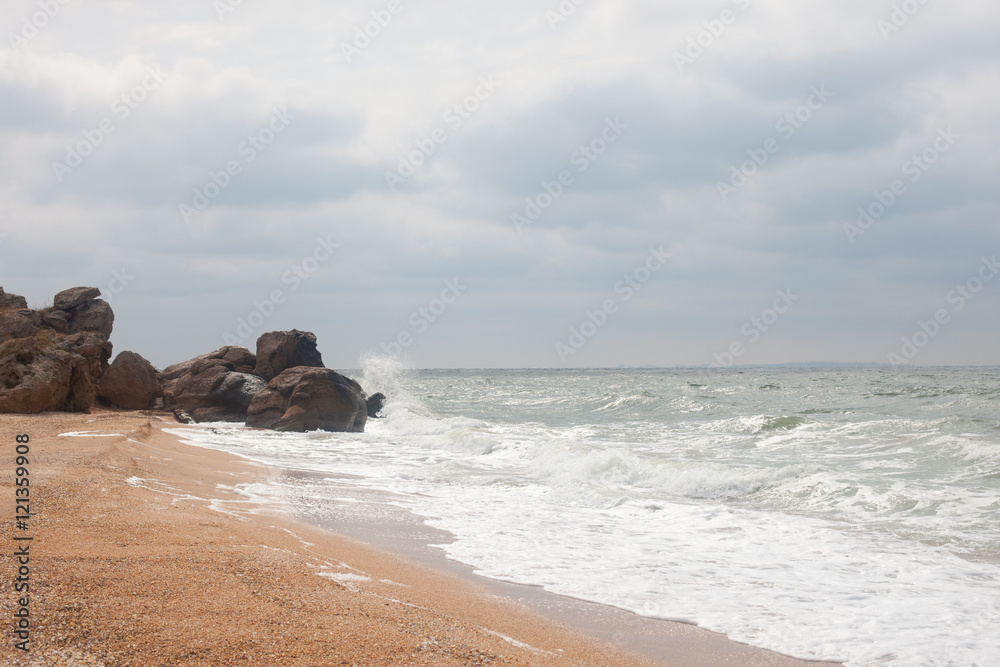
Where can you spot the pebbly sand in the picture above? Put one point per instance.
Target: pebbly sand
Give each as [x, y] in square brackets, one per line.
[142, 554]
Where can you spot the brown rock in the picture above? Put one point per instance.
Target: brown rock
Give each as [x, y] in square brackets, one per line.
[17, 324]
[212, 387]
[75, 297]
[217, 414]
[55, 319]
[281, 350]
[307, 398]
[93, 316]
[130, 383]
[238, 359]
[50, 371]
[12, 301]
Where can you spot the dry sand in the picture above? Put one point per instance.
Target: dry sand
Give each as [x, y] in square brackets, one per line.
[142, 554]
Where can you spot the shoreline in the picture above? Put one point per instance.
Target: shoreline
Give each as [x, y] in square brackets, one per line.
[666, 642]
[144, 553]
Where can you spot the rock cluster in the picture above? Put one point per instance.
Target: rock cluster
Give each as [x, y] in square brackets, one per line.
[284, 387]
[53, 359]
[56, 358]
[217, 386]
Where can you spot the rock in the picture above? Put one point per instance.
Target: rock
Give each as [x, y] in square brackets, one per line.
[55, 319]
[53, 359]
[130, 383]
[307, 398]
[375, 403]
[75, 297]
[12, 301]
[199, 415]
[93, 316]
[183, 417]
[214, 387]
[16, 319]
[50, 371]
[78, 309]
[17, 324]
[281, 350]
[238, 359]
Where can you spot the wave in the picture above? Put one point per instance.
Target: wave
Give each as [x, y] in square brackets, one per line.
[782, 423]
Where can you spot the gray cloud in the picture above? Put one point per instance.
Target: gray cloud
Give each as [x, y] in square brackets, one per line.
[324, 176]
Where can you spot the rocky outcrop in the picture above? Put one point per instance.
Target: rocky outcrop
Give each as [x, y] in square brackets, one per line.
[50, 371]
[15, 301]
[307, 399]
[280, 350]
[213, 387]
[94, 316]
[130, 382]
[375, 403]
[53, 359]
[20, 323]
[57, 358]
[79, 309]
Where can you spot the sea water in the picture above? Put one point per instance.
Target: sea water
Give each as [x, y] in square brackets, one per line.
[847, 514]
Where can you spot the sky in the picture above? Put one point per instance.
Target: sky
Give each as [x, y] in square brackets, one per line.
[583, 183]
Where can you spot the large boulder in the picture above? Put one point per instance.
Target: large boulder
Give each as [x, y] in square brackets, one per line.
[75, 297]
[281, 350]
[307, 398]
[51, 371]
[130, 383]
[213, 387]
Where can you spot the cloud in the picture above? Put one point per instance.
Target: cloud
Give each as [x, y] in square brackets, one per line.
[324, 175]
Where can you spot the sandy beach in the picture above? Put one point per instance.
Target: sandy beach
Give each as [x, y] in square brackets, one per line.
[141, 553]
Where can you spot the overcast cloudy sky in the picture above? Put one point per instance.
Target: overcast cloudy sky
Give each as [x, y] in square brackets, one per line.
[518, 170]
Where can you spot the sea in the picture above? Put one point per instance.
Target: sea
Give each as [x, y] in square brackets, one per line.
[834, 513]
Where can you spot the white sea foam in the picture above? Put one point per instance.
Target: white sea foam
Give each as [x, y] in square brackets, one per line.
[837, 515]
